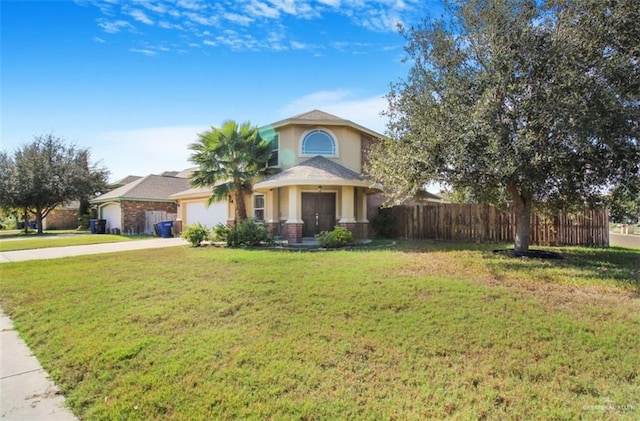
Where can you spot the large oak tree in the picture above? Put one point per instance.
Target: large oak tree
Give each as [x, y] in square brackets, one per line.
[523, 101]
[46, 173]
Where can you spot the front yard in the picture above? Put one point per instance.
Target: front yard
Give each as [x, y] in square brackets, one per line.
[420, 331]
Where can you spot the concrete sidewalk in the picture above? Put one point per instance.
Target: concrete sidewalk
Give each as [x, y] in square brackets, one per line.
[26, 393]
[57, 252]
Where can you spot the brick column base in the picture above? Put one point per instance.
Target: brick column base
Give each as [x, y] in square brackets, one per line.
[292, 232]
[360, 230]
[273, 228]
[363, 227]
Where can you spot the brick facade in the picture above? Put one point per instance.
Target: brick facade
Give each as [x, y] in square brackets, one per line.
[360, 230]
[374, 203]
[62, 219]
[134, 217]
[293, 233]
[273, 228]
[367, 142]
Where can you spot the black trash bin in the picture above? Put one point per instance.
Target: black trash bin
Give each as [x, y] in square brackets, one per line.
[165, 228]
[92, 225]
[101, 226]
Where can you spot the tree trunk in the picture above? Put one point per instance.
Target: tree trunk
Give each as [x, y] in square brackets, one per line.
[39, 221]
[26, 221]
[522, 201]
[241, 207]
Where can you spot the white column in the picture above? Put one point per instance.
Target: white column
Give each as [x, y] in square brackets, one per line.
[363, 206]
[347, 208]
[271, 206]
[295, 206]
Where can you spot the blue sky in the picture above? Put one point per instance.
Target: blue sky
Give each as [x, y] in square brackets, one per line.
[136, 80]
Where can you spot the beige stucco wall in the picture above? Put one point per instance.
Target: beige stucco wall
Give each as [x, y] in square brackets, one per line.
[348, 142]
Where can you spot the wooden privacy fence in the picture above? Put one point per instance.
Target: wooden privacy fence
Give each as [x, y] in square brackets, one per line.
[486, 223]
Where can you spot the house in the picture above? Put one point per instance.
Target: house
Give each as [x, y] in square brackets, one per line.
[140, 202]
[320, 183]
[61, 217]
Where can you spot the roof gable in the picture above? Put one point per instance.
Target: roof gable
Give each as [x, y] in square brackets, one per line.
[149, 188]
[321, 118]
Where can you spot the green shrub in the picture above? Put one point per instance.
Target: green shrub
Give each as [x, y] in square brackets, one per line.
[220, 232]
[383, 223]
[247, 233]
[83, 221]
[339, 237]
[196, 234]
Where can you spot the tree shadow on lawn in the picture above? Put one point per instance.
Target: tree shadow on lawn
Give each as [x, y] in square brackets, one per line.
[622, 265]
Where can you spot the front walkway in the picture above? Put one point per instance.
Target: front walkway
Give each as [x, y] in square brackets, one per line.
[26, 393]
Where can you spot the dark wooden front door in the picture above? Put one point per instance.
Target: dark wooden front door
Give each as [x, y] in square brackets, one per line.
[318, 213]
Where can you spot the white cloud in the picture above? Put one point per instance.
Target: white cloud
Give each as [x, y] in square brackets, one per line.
[146, 151]
[239, 19]
[139, 15]
[168, 25]
[258, 8]
[98, 39]
[113, 27]
[332, 3]
[297, 45]
[254, 20]
[146, 52]
[343, 103]
[154, 7]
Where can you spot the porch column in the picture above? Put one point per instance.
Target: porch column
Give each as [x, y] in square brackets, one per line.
[271, 217]
[348, 215]
[293, 226]
[363, 207]
[363, 222]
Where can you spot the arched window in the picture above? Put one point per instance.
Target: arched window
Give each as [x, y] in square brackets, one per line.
[318, 142]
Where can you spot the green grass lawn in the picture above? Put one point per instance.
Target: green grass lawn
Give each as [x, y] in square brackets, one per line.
[56, 240]
[416, 332]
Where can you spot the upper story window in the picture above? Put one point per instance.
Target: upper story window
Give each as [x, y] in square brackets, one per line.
[275, 149]
[318, 142]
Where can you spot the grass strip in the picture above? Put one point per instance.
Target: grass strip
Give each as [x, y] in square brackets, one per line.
[31, 243]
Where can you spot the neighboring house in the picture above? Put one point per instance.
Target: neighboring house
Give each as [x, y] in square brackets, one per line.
[62, 217]
[320, 183]
[137, 205]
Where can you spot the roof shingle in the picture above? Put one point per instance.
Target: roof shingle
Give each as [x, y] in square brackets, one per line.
[151, 188]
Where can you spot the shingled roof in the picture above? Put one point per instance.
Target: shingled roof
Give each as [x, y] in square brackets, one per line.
[317, 170]
[152, 188]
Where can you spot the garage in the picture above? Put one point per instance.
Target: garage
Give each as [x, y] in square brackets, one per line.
[207, 216]
[112, 213]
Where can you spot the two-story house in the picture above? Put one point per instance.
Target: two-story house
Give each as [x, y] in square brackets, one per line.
[320, 183]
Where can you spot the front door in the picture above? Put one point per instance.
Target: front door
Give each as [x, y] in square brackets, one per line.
[318, 213]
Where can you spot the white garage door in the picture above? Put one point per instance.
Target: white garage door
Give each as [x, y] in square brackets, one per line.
[112, 214]
[207, 216]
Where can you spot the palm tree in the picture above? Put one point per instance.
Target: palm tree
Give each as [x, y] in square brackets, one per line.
[228, 160]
